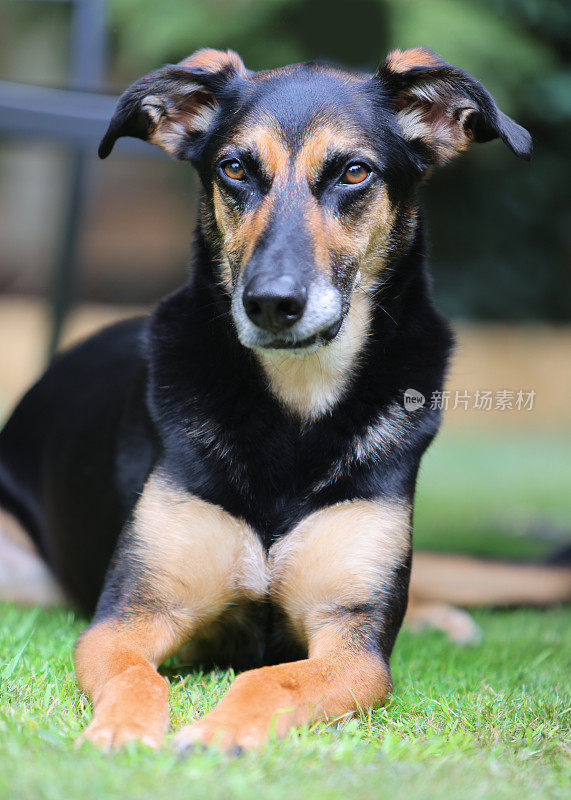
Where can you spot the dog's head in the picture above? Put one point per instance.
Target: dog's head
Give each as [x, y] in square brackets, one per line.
[309, 172]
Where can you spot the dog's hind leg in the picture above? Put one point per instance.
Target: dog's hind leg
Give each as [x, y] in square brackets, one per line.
[441, 582]
[24, 577]
[469, 582]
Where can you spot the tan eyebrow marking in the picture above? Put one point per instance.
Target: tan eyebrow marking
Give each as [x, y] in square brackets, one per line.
[266, 139]
[317, 146]
[330, 235]
[327, 234]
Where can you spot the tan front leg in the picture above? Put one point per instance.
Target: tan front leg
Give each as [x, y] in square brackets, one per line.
[115, 664]
[189, 561]
[332, 682]
[328, 575]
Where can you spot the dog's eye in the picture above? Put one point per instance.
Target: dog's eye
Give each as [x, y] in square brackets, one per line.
[355, 173]
[234, 170]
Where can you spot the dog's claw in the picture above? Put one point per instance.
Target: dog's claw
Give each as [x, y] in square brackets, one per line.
[185, 746]
[108, 738]
[184, 749]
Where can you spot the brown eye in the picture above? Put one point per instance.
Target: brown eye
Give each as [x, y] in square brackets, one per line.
[234, 170]
[356, 173]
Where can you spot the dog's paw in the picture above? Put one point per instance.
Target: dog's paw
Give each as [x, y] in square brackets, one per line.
[132, 706]
[261, 704]
[221, 733]
[109, 737]
[456, 623]
[461, 628]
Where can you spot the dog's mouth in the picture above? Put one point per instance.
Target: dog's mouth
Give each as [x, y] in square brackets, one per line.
[321, 338]
[318, 325]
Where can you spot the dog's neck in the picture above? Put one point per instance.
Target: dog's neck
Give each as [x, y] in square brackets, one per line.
[310, 385]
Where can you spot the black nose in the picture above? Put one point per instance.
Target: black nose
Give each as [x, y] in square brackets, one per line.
[274, 303]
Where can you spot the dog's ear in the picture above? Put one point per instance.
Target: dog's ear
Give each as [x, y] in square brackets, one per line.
[443, 107]
[175, 105]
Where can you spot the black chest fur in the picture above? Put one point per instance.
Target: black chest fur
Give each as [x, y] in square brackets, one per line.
[228, 440]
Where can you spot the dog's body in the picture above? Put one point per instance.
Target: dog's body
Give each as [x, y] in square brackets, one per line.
[244, 453]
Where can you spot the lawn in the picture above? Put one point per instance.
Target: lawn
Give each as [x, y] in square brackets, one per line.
[488, 721]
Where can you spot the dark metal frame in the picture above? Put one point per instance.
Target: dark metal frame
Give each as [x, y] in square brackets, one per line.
[77, 117]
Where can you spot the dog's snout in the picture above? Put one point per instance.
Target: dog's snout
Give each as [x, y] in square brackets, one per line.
[274, 303]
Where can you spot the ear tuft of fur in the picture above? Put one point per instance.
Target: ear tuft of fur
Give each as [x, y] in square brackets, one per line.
[170, 106]
[210, 61]
[443, 107]
[399, 61]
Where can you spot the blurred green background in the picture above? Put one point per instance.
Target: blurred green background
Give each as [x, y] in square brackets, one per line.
[500, 229]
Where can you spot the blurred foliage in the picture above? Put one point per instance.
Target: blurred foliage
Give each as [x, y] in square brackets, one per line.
[500, 227]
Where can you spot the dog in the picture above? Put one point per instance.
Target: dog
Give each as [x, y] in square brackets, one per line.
[233, 477]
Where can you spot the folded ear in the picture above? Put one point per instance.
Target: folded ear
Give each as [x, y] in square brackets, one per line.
[175, 105]
[445, 108]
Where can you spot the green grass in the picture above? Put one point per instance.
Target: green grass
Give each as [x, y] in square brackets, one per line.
[506, 494]
[490, 721]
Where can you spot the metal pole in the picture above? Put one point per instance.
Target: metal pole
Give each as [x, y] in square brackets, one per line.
[88, 44]
[87, 66]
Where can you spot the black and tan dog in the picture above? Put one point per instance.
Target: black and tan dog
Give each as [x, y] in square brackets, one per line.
[236, 473]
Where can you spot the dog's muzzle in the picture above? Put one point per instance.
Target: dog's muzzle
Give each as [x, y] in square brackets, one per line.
[280, 312]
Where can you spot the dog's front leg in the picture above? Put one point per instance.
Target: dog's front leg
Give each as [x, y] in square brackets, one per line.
[115, 664]
[341, 576]
[336, 680]
[180, 563]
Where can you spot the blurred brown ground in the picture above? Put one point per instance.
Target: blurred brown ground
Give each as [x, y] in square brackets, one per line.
[487, 357]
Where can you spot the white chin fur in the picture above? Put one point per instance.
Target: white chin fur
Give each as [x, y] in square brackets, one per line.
[289, 352]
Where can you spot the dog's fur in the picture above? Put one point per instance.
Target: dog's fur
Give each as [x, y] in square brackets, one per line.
[243, 489]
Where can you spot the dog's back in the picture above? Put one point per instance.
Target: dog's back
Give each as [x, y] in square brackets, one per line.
[75, 454]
